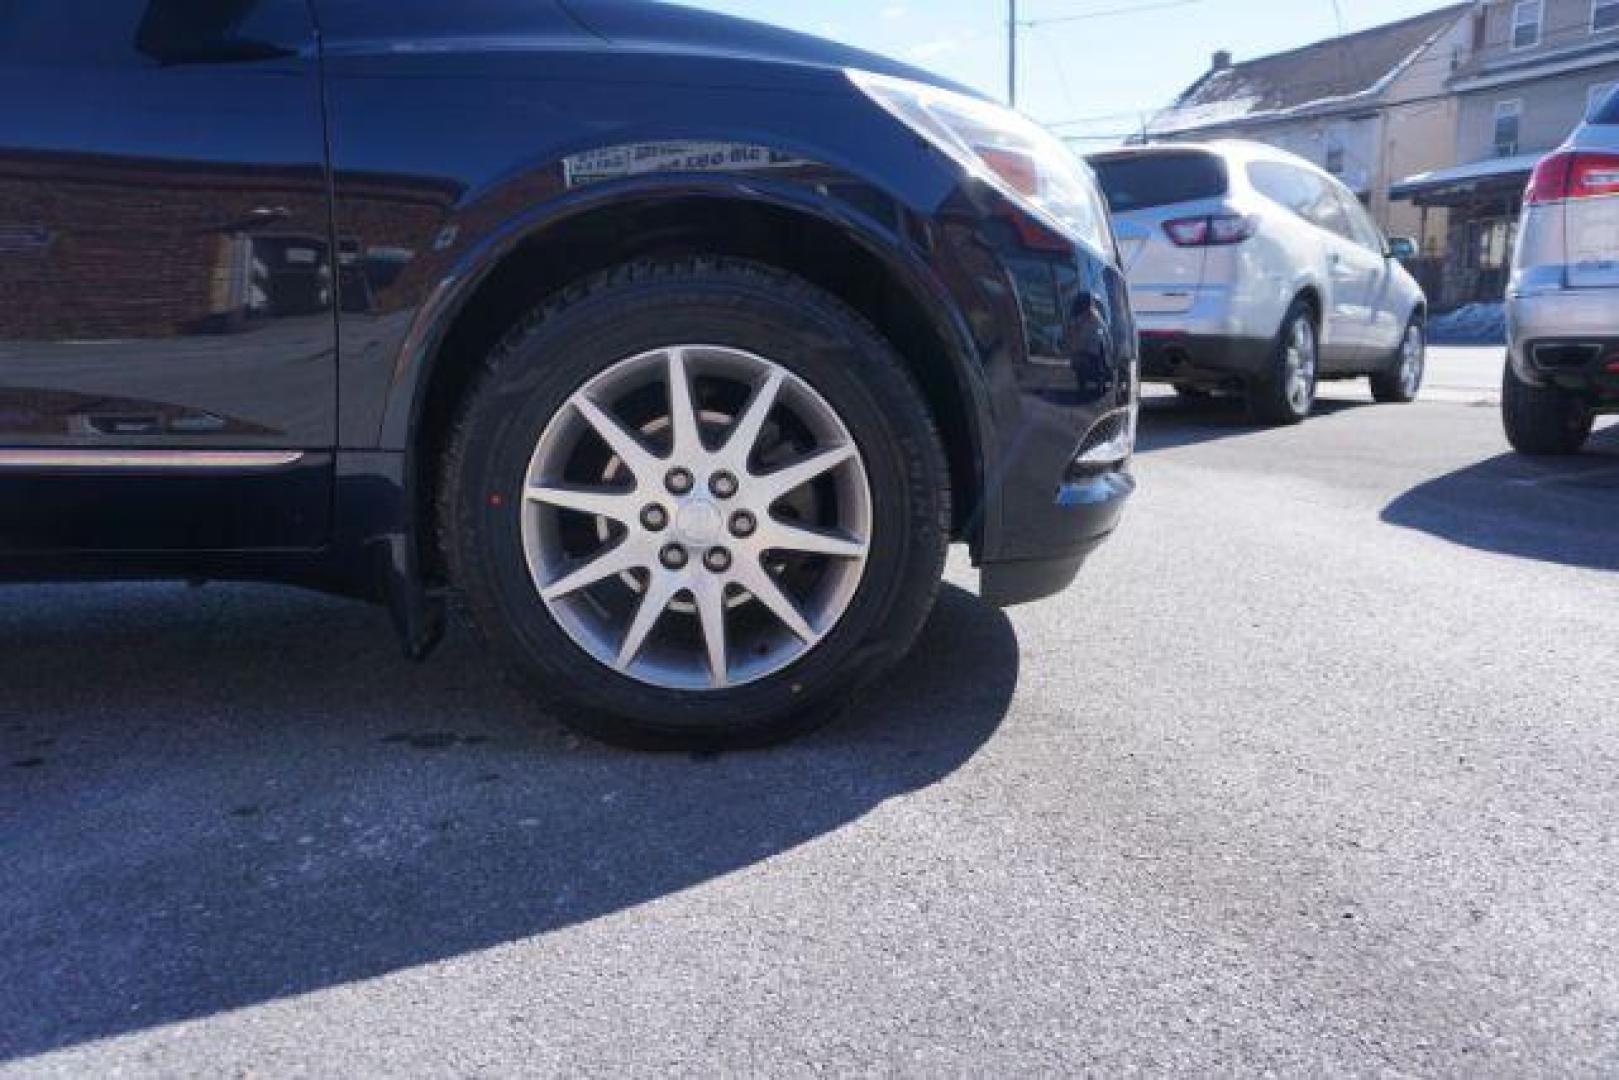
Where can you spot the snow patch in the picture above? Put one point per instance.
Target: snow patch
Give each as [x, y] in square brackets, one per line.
[1472, 324]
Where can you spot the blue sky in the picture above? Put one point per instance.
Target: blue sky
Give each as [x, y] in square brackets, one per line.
[1115, 59]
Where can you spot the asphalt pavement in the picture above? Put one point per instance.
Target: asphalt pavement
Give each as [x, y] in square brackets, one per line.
[1315, 771]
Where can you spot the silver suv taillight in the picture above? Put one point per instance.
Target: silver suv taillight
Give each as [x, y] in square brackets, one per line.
[1573, 174]
[1212, 230]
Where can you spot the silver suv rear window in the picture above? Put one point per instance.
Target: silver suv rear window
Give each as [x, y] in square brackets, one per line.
[1143, 181]
[1608, 111]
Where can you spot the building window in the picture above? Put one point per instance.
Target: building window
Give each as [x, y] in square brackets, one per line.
[1604, 15]
[1335, 157]
[1526, 24]
[1597, 97]
[1507, 116]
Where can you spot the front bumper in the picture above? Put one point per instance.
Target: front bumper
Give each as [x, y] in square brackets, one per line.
[1053, 334]
[1068, 432]
[1085, 513]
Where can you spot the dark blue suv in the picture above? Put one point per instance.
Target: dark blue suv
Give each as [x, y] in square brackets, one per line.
[673, 350]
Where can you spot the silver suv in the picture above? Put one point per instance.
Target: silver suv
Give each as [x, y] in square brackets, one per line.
[1253, 271]
[1563, 301]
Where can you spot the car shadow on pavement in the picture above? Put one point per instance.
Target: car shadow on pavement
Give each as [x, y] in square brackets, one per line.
[217, 798]
[1168, 422]
[1560, 510]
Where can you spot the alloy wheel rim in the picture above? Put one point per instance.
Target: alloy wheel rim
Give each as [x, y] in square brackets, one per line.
[697, 517]
[1301, 367]
[1412, 358]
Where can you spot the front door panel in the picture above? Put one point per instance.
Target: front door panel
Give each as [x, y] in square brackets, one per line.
[166, 273]
[1379, 326]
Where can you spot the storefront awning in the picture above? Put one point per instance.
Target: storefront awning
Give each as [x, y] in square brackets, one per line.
[1462, 182]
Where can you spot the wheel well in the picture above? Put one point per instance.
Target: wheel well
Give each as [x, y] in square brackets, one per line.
[809, 247]
[1312, 300]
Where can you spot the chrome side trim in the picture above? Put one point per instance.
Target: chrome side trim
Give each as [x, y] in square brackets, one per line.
[148, 460]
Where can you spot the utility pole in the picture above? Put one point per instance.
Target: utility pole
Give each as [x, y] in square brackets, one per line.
[1011, 53]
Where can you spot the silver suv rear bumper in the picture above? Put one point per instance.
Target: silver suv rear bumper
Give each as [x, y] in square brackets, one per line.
[1207, 343]
[1559, 334]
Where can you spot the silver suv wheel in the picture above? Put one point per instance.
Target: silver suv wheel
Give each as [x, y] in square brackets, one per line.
[1301, 367]
[1413, 355]
[1401, 379]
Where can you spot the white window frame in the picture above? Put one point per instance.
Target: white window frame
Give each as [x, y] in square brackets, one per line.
[1598, 5]
[1514, 106]
[1538, 23]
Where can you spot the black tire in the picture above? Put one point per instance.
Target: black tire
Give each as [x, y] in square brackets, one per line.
[649, 305]
[1268, 399]
[1393, 386]
[1543, 421]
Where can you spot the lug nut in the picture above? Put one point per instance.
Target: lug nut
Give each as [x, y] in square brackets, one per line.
[655, 518]
[723, 485]
[744, 524]
[674, 557]
[717, 560]
[679, 481]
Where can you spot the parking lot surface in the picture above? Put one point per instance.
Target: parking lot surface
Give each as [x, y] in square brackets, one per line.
[1313, 771]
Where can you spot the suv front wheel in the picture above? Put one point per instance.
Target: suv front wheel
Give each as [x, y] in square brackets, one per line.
[695, 503]
[1402, 381]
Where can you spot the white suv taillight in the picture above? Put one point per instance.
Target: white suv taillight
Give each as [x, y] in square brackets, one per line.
[1214, 230]
[1573, 175]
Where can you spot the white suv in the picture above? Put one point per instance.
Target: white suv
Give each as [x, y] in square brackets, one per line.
[1251, 270]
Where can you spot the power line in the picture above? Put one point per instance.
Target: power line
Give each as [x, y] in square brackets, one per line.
[1061, 69]
[1131, 9]
[1081, 121]
[1014, 24]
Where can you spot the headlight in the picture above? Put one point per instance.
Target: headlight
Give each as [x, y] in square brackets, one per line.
[1025, 162]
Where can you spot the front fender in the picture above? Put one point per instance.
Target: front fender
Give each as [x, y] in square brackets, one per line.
[798, 187]
[444, 160]
[1320, 284]
[449, 165]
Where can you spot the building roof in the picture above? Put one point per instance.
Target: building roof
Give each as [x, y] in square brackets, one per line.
[1329, 73]
[1462, 179]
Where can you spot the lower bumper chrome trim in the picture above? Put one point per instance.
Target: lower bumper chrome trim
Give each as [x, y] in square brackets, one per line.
[148, 460]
